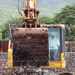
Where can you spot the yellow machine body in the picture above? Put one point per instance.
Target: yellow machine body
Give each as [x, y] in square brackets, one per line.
[56, 64]
[52, 64]
[10, 55]
[42, 30]
[30, 44]
[31, 3]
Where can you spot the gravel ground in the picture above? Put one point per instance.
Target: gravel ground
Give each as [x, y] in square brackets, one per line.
[4, 70]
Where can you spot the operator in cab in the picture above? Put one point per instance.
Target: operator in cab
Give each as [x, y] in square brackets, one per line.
[54, 46]
[54, 42]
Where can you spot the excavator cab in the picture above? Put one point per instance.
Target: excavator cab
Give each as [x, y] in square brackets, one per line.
[56, 45]
[42, 46]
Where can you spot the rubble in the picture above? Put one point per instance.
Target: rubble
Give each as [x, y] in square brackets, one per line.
[70, 61]
[4, 70]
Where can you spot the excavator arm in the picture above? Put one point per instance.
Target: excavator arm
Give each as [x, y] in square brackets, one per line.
[30, 14]
[31, 3]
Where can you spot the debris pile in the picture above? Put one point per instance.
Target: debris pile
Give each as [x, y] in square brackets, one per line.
[3, 64]
[70, 61]
[4, 70]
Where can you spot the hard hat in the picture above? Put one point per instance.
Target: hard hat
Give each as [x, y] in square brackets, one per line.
[52, 33]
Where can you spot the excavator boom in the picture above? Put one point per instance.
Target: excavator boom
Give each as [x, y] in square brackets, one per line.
[31, 3]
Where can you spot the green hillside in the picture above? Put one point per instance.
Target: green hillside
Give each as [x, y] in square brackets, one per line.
[7, 12]
[48, 8]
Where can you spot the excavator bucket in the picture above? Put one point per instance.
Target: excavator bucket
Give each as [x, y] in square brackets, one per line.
[30, 47]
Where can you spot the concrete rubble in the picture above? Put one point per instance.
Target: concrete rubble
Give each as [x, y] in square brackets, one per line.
[4, 70]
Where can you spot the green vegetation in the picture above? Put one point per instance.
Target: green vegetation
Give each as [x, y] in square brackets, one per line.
[0, 36]
[67, 17]
[46, 20]
[7, 13]
[5, 29]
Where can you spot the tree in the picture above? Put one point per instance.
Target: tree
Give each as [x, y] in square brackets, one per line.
[66, 16]
[46, 20]
[5, 29]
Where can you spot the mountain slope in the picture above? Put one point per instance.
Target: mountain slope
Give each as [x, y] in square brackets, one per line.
[46, 8]
[52, 4]
[7, 12]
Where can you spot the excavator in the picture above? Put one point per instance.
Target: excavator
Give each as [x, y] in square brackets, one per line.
[36, 44]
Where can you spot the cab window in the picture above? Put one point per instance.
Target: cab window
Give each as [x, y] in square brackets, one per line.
[54, 43]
